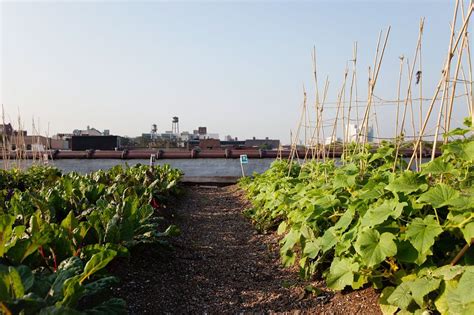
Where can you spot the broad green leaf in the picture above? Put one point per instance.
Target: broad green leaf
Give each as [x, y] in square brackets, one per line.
[346, 240]
[401, 296]
[329, 239]
[11, 286]
[345, 220]
[468, 232]
[290, 240]
[26, 276]
[70, 222]
[288, 258]
[439, 196]
[6, 224]
[385, 307]
[456, 132]
[344, 181]
[448, 272]
[372, 191]
[374, 248]
[442, 301]
[100, 285]
[406, 252]
[422, 233]
[461, 300]
[378, 214]
[282, 228]
[462, 150]
[97, 262]
[421, 287]
[341, 273]
[437, 167]
[67, 269]
[312, 248]
[457, 297]
[407, 183]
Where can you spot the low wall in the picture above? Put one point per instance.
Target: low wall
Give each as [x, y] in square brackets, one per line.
[190, 167]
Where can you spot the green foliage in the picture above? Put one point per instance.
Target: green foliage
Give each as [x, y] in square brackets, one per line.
[362, 223]
[51, 223]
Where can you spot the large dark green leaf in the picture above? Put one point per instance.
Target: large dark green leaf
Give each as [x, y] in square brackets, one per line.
[374, 248]
[341, 273]
[422, 233]
[408, 182]
[377, 214]
[439, 196]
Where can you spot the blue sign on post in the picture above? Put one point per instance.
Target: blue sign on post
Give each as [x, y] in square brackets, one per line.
[243, 160]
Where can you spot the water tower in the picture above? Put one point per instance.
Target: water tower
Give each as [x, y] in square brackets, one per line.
[153, 133]
[175, 125]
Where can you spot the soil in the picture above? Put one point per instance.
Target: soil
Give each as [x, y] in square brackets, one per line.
[220, 264]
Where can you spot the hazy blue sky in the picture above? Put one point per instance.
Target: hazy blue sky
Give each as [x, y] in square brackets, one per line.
[237, 68]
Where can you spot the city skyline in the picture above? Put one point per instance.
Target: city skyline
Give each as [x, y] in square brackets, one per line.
[237, 68]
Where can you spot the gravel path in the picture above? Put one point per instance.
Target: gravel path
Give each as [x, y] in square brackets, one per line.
[220, 264]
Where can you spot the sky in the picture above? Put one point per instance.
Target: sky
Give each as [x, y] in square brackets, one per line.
[236, 67]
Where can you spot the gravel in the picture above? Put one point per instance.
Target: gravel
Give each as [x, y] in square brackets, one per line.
[220, 264]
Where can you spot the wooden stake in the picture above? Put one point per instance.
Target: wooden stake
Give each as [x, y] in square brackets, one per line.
[451, 51]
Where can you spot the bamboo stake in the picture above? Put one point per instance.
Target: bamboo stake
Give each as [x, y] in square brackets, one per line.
[334, 129]
[453, 93]
[354, 64]
[451, 51]
[397, 137]
[376, 123]
[323, 147]
[470, 95]
[372, 83]
[412, 120]
[467, 91]
[316, 105]
[446, 77]
[4, 141]
[440, 114]
[398, 94]
[294, 145]
[420, 83]
[343, 122]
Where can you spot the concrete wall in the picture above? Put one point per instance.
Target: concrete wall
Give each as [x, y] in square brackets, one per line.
[190, 167]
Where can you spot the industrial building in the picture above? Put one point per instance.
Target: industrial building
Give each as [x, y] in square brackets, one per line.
[81, 143]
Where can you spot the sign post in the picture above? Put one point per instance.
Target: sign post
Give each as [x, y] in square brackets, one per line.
[152, 160]
[243, 160]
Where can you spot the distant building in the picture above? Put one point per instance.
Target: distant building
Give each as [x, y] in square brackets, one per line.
[354, 133]
[209, 144]
[6, 129]
[37, 143]
[209, 136]
[185, 136]
[332, 140]
[232, 144]
[266, 143]
[81, 143]
[90, 132]
[202, 130]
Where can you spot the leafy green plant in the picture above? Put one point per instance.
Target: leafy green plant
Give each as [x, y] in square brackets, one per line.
[362, 223]
[50, 223]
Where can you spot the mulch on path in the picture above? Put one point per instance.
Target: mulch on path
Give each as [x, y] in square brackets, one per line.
[220, 264]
